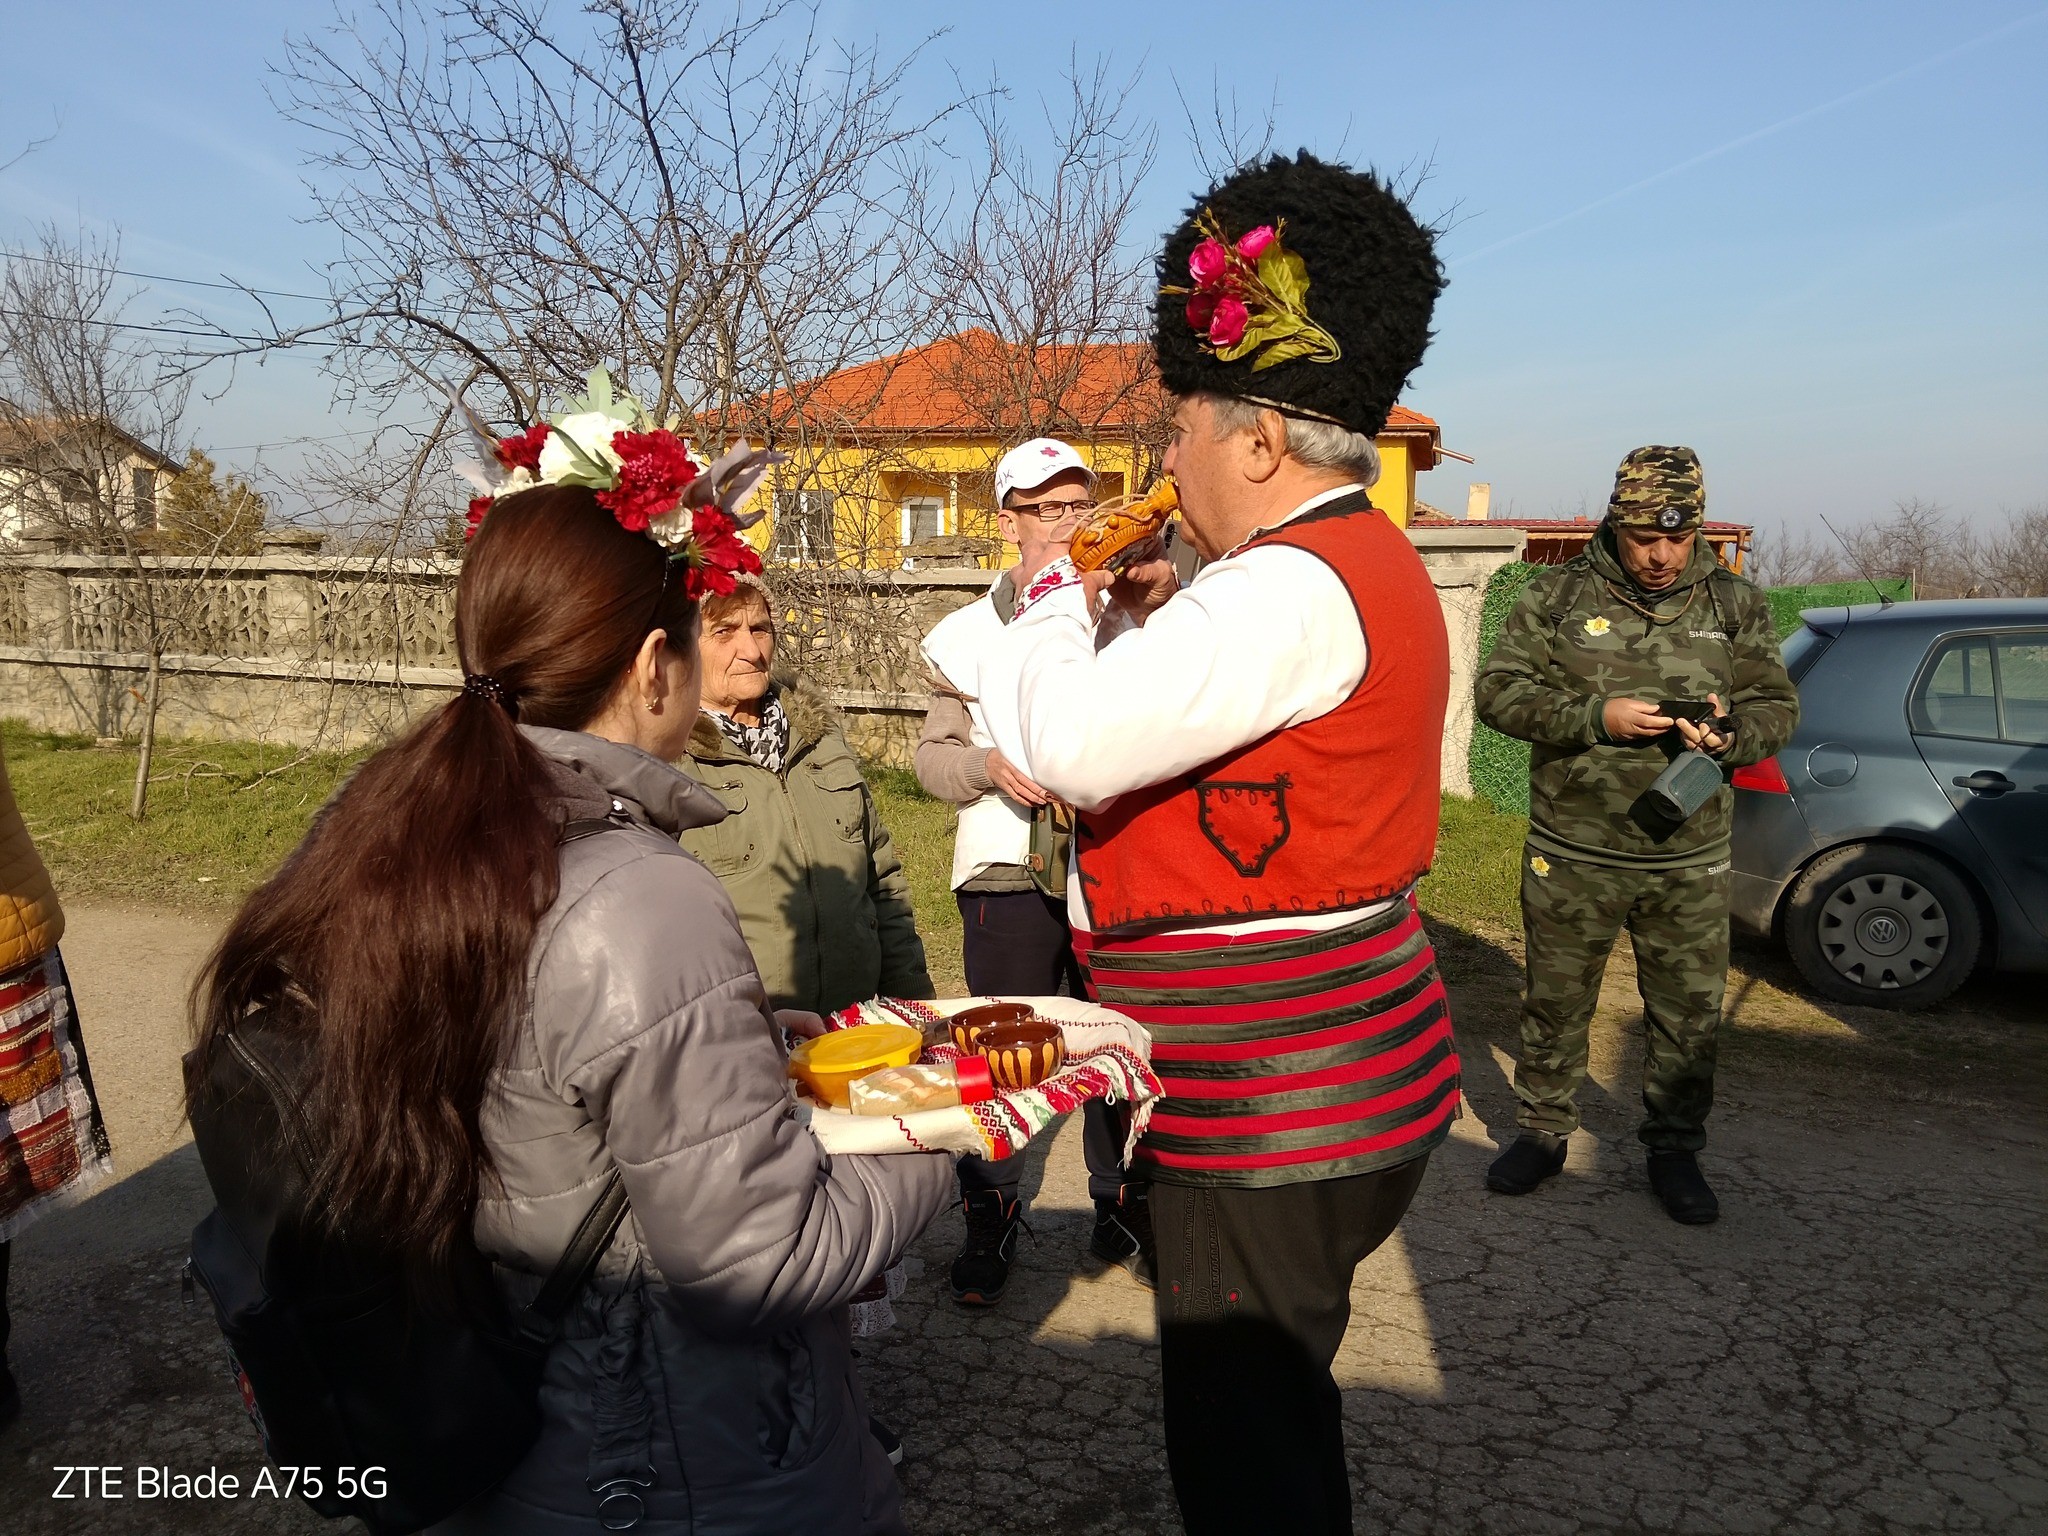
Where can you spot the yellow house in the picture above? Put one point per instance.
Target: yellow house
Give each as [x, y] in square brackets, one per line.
[892, 462]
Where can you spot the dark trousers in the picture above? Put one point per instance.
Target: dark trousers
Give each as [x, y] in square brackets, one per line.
[1254, 1298]
[1017, 944]
[6, 1323]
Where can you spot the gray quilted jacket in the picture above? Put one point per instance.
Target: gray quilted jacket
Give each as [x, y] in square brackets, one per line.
[707, 1372]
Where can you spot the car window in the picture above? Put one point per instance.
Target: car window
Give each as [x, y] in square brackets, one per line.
[2023, 688]
[1801, 650]
[1957, 695]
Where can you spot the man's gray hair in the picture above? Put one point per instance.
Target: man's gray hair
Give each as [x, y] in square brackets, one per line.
[1318, 444]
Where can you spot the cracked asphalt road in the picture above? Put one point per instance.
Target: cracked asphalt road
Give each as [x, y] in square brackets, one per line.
[1857, 1346]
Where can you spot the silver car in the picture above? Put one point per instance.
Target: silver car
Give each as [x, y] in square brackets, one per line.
[1901, 838]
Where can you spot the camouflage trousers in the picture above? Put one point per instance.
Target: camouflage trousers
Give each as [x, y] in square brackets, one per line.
[1677, 920]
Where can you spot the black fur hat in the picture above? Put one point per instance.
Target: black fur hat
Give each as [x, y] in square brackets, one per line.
[1339, 350]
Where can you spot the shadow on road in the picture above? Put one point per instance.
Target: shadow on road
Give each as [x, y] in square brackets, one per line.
[1857, 1346]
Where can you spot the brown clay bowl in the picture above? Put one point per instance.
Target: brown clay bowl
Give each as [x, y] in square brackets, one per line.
[1022, 1055]
[968, 1023]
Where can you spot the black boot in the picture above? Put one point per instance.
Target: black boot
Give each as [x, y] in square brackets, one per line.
[1676, 1180]
[983, 1268]
[10, 1397]
[1534, 1157]
[1123, 1235]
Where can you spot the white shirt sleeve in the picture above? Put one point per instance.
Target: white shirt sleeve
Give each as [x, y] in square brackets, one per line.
[1265, 639]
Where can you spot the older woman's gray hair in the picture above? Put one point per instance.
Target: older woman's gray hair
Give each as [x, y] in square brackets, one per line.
[720, 605]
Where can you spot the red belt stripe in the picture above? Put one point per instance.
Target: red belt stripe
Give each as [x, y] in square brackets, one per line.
[1293, 1157]
[1302, 1119]
[1302, 966]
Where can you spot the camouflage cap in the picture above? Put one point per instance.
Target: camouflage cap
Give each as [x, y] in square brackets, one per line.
[1660, 488]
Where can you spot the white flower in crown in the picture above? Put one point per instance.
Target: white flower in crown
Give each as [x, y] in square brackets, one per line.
[675, 528]
[579, 449]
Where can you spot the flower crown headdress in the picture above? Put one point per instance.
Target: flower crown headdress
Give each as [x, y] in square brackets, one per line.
[643, 475]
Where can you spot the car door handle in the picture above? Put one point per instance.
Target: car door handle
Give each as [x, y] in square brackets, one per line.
[1985, 782]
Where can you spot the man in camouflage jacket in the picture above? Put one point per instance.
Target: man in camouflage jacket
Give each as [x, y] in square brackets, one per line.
[1646, 614]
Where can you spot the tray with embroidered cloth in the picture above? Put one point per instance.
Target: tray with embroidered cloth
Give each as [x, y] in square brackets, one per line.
[1108, 1058]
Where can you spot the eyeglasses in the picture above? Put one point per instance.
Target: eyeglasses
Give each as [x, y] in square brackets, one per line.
[1053, 511]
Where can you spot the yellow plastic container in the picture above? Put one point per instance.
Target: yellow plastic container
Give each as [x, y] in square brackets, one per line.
[828, 1064]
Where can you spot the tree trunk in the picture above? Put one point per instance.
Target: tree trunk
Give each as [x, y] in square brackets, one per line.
[156, 675]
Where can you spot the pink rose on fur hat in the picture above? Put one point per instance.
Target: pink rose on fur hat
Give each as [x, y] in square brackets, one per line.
[1227, 328]
[1253, 242]
[1207, 263]
[1201, 310]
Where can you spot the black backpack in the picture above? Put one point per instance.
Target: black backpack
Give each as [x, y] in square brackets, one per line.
[369, 1406]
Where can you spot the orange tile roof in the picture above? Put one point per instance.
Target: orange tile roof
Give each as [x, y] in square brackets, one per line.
[959, 385]
[1401, 419]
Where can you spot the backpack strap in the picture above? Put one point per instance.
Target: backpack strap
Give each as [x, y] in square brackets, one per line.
[1721, 592]
[578, 1262]
[1563, 602]
[576, 831]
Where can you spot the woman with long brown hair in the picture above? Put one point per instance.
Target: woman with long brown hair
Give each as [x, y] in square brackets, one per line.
[501, 1018]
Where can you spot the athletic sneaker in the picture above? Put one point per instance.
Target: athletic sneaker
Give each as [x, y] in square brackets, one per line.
[983, 1268]
[1123, 1236]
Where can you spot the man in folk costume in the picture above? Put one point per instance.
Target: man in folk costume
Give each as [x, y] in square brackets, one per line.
[1254, 764]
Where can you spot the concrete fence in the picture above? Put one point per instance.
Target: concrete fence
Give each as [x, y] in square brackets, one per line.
[306, 649]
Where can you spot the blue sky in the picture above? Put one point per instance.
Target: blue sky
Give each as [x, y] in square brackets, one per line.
[1809, 240]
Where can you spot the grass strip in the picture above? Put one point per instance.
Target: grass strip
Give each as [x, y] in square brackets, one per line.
[223, 814]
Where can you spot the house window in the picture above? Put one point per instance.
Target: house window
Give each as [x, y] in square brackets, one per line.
[923, 517]
[803, 527]
[142, 496]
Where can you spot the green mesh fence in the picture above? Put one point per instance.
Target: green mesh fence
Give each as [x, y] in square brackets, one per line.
[1786, 602]
[1500, 764]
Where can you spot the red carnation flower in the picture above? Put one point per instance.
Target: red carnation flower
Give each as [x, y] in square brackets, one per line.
[523, 450]
[718, 556]
[478, 506]
[654, 470]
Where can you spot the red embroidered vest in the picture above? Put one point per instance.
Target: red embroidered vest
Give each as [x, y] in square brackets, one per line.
[1338, 812]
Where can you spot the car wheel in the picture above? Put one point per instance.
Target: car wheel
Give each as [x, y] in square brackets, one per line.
[1883, 925]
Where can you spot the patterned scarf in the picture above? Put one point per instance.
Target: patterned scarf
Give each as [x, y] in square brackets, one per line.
[766, 744]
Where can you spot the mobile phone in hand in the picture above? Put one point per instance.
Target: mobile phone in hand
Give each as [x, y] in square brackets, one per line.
[1698, 711]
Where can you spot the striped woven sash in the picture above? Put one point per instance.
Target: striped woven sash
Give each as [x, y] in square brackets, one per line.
[1288, 1056]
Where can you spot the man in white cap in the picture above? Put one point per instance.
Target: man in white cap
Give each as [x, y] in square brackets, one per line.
[1009, 867]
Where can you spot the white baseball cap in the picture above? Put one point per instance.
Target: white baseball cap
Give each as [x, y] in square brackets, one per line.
[1029, 465]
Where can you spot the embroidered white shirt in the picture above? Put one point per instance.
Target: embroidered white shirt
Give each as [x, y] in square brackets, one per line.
[1262, 639]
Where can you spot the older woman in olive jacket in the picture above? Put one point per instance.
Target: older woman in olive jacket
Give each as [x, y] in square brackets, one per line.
[822, 900]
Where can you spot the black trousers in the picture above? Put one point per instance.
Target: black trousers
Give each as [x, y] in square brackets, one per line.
[1254, 1298]
[1017, 944]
